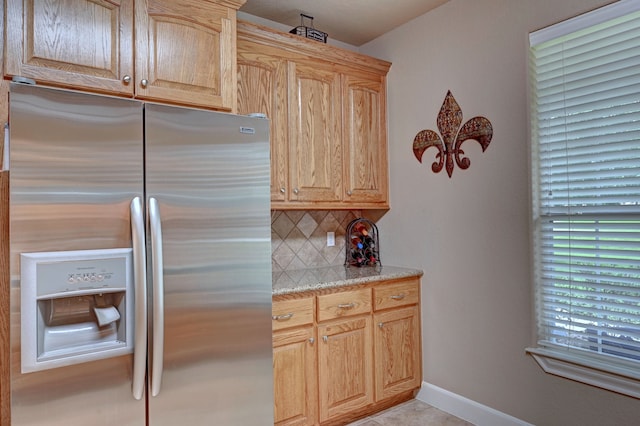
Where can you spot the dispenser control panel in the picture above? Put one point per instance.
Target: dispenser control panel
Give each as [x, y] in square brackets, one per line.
[107, 274]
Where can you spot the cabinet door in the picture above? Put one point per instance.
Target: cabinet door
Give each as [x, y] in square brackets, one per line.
[294, 372]
[365, 139]
[315, 150]
[85, 44]
[185, 52]
[397, 351]
[262, 87]
[345, 366]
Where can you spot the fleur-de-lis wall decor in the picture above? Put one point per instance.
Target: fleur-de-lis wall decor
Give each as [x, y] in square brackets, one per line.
[449, 121]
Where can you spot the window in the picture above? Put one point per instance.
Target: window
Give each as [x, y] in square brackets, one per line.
[585, 131]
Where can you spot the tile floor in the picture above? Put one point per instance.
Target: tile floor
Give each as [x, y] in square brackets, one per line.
[411, 413]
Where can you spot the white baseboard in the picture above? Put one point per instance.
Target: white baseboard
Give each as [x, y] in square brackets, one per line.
[466, 409]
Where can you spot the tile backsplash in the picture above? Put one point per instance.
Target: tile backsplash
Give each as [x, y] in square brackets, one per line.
[299, 238]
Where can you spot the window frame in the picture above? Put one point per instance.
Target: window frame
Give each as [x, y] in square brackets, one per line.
[615, 374]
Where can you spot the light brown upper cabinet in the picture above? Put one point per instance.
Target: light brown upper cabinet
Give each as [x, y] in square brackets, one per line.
[327, 108]
[315, 150]
[179, 52]
[364, 136]
[262, 88]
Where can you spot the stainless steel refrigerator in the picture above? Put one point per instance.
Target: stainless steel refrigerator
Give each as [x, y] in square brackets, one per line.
[140, 263]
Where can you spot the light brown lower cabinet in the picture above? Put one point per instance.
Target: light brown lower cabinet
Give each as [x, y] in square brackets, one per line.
[344, 353]
[345, 362]
[294, 367]
[397, 337]
[294, 362]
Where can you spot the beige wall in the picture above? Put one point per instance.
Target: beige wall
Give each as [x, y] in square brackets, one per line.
[470, 233]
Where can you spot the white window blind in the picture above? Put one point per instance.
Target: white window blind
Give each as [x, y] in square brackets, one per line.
[585, 87]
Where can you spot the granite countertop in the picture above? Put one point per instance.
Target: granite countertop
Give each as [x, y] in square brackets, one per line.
[299, 280]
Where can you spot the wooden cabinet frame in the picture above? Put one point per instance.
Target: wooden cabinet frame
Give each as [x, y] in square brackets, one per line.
[327, 108]
[164, 50]
[368, 350]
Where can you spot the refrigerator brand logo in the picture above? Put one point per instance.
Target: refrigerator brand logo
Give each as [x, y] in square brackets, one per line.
[248, 130]
[449, 120]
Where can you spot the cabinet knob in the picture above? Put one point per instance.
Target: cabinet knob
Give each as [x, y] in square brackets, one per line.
[349, 193]
[282, 189]
[380, 324]
[325, 339]
[144, 82]
[296, 190]
[311, 340]
[126, 79]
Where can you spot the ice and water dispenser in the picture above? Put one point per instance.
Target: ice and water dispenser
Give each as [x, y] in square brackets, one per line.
[76, 306]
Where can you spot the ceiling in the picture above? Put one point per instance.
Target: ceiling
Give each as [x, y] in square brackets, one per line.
[354, 22]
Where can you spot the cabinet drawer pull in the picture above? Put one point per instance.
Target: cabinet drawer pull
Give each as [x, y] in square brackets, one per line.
[398, 296]
[282, 317]
[347, 305]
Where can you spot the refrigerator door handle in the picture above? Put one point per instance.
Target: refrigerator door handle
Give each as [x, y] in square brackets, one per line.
[140, 296]
[158, 297]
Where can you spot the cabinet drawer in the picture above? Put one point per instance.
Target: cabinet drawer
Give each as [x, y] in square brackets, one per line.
[399, 294]
[345, 303]
[291, 313]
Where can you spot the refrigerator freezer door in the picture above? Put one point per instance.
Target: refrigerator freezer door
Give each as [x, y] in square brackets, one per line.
[209, 173]
[76, 164]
